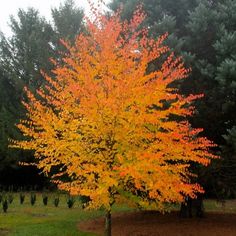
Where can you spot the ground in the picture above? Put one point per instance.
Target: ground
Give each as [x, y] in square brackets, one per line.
[151, 223]
[39, 220]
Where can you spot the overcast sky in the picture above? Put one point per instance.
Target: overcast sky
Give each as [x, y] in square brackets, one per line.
[10, 7]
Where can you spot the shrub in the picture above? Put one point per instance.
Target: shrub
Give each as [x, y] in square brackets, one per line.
[45, 199]
[56, 201]
[4, 205]
[22, 198]
[32, 198]
[84, 200]
[10, 198]
[70, 201]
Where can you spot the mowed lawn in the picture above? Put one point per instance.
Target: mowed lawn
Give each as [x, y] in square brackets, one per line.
[40, 220]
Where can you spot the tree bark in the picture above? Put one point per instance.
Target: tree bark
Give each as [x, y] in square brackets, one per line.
[108, 223]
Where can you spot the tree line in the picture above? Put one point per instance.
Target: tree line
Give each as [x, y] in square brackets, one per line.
[201, 31]
[33, 42]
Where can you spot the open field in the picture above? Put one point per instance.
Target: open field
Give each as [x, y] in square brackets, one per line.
[40, 220]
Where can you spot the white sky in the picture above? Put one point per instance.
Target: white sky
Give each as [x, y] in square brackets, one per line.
[10, 7]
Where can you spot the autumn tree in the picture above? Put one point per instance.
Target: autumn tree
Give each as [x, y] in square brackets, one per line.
[111, 129]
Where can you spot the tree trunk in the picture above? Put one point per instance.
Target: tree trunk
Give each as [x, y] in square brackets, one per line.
[108, 223]
[192, 208]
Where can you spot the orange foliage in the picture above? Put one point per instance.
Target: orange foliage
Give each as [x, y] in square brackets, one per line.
[110, 125]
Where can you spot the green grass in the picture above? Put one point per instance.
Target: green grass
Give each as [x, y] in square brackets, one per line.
[40, 220]
[228, 206]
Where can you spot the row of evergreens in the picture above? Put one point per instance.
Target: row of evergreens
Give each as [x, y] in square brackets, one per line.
[7, 198]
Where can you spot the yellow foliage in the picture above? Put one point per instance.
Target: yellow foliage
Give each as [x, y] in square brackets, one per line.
[103, 122]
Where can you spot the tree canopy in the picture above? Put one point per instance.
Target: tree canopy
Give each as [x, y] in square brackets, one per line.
[111, 127]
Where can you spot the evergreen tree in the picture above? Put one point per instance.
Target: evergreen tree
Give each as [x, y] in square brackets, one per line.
[28, 50]
[68, 20]
[215, 62]
[22, 56]
[227, 174]
[7, 156]
[203, 31]
[162, 16]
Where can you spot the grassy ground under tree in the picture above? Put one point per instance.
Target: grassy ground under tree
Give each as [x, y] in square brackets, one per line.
[40, 220]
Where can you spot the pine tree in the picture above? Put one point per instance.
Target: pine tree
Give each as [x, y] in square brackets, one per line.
[68, 21]
[204, 34]
[22, 56]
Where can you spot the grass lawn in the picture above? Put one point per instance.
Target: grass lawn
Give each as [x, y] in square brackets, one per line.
[40, 220]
